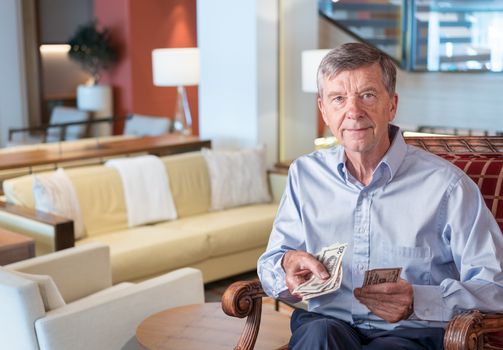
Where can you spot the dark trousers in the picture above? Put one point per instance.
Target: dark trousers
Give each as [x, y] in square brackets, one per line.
[315, 331]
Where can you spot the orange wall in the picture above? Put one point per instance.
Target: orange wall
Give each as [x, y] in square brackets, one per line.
[138, 27]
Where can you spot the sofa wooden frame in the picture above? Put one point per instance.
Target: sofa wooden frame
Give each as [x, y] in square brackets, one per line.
[471, 330]
[62, 228]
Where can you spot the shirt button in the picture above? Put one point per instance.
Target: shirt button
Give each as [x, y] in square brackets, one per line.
[361, 230]
[359, 267]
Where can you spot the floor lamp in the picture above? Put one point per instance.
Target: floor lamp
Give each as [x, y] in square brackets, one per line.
[177, 67]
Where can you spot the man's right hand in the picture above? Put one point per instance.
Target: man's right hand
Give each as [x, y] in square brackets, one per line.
[299, 266]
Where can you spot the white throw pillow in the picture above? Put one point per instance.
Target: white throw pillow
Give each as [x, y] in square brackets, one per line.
[237, 177]
[55, 194]
[48, 290]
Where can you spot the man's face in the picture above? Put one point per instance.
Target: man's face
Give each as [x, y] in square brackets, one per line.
[357, 108]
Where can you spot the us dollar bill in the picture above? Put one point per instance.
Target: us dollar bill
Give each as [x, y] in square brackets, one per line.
[383, 275]
[331, 257]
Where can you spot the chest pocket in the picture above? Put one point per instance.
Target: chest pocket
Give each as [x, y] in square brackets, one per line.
[414, 261]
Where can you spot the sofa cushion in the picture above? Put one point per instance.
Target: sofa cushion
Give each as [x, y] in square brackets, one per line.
[231, 230]
[101, 198]
[189, 182]
[19, 190]
[51, 297]
[101, 202]
[151, 249]
[237, 177]
[55, 194]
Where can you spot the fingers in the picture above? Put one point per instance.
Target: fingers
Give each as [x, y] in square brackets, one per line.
[387, 289]
[393, 302]
[316, 267]
[296, 262]
[388, 311]
[390, 301]
[299, 266]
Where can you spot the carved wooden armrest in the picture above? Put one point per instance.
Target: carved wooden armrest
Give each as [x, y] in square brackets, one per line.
[241, 299]
[474, 330]
[62, 228]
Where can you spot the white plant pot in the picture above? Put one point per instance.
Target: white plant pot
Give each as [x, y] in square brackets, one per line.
[97, 99]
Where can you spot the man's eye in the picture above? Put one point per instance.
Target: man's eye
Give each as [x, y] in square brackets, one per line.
[369, 98]
[338, 99]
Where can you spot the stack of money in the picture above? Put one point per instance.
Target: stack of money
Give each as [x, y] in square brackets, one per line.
[331, 257]
[377, 276]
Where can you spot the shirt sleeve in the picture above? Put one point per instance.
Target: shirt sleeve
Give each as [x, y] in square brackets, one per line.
[476, 244]
[287, 234]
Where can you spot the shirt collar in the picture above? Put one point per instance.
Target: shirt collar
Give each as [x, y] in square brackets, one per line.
[396, 152]
[392, 159]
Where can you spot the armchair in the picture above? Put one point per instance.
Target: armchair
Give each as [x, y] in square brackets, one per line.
[92, 314]
[482, 159]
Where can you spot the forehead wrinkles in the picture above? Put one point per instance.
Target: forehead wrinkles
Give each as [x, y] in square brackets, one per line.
[351, 83]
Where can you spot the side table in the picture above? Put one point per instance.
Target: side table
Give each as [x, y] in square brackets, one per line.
[15, 247]
[205, 326]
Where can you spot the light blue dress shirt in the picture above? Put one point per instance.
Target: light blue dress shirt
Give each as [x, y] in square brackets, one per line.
[419, 212]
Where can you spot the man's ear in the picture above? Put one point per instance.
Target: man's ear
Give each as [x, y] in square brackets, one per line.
[393, 107]
[322, 110]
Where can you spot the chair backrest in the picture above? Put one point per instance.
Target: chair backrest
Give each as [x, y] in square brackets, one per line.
[62, 114]
[21, 304]
[143, 125]
[480, 157]
[31, 288]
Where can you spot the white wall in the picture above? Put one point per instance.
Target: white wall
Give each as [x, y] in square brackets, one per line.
[13, 99]
[299, 32]
[59, 19]
[238, 82]
[61, 75]
[453, 100]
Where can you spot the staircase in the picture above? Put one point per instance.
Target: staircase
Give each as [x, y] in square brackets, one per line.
[426, 35]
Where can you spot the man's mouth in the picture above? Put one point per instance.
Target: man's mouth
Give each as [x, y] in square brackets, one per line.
[357, 129]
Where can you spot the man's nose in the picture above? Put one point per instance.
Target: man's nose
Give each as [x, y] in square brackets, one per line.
[354, 109]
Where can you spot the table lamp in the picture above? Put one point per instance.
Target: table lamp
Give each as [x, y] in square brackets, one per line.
[177, 67]
[311, 60]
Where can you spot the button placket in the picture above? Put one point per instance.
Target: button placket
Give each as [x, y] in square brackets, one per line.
[360, 249]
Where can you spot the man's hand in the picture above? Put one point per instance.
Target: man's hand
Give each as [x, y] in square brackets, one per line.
[392, 302]
[299, 266]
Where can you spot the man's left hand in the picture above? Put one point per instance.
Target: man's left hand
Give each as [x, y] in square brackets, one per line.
[392, 302]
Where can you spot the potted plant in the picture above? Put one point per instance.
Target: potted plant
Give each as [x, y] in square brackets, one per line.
[90, 47]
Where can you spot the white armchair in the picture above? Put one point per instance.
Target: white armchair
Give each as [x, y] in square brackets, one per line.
[95, 314]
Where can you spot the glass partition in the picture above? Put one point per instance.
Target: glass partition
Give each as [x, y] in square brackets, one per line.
[426, 35]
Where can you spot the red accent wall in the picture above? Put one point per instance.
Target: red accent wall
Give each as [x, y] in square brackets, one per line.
[138, 27]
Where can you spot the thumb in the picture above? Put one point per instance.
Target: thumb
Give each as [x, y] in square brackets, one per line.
[318, 269]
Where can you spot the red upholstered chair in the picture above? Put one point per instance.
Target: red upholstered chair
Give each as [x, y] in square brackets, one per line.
[482, 159]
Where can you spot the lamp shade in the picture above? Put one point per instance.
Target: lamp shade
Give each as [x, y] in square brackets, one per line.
[175, 67]
[311, 60]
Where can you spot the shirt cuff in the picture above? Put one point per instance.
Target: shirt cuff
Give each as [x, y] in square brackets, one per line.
[428, 303]
[289, 298]
[281, 291]
[279, 276]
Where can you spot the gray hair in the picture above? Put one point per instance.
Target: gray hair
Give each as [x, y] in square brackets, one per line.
[352, 56]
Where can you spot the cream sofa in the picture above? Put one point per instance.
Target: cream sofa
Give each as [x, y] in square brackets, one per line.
[219, 243]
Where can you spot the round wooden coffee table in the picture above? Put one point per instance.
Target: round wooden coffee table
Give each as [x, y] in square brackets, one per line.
[205, 326]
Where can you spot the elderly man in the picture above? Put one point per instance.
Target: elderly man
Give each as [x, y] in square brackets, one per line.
[395, 206]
